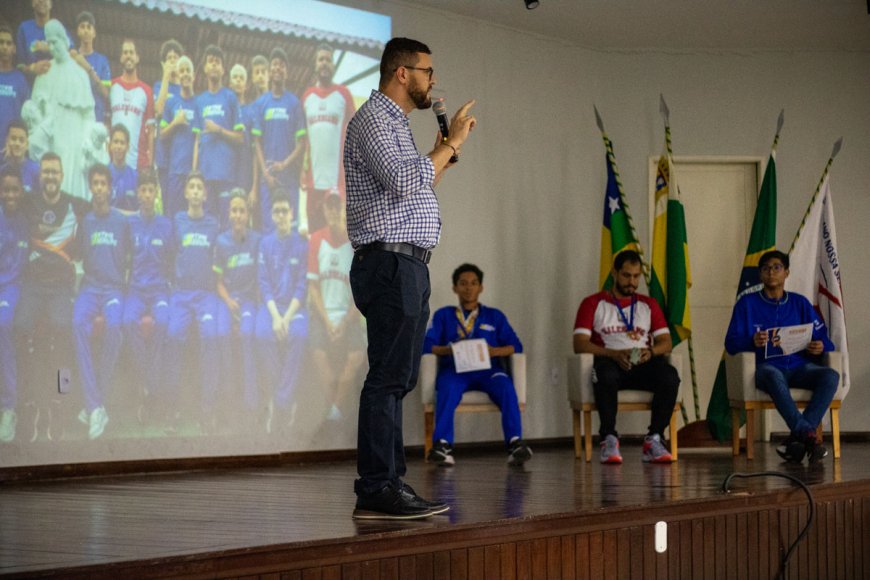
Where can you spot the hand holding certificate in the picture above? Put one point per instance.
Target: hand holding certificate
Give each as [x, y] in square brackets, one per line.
[786, 340]
[471, 355]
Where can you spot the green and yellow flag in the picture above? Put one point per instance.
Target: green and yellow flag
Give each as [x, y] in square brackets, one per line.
[762, 238]
[671, 276]
[617, 229]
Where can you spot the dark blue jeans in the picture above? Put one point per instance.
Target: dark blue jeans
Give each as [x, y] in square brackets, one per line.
[822, 381]
[392, 292]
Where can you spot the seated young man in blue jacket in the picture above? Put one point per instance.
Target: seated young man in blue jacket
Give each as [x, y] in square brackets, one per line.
[755, 324]
[471, 320]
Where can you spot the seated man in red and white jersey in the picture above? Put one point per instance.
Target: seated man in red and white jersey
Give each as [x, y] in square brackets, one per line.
[629, 336]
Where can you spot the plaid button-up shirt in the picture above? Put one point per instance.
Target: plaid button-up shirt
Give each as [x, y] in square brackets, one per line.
[389, 183]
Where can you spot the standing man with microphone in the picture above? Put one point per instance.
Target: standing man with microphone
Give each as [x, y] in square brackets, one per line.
[393, 223]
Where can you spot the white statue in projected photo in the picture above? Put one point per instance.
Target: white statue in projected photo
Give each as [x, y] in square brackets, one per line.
[64, 99]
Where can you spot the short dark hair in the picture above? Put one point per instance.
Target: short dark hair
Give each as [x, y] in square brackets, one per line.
[278, 53]
[213, 50]
[467, 268]
[400, 52]
[85, 16]
[6, 28]
[11, 170]
[168, 46]
[123, 129]
[17, 124]
[50, 156]
[99, 169]
[772, 255]
[146, 176]
[196, 175]
[259, 60]
[624, 256]
[281, 195]
[324, 46]
[238, 192]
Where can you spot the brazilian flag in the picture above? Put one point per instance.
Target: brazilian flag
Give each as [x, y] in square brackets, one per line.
[762, 238]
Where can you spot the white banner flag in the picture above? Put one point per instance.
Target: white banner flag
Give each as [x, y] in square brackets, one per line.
[815, 270]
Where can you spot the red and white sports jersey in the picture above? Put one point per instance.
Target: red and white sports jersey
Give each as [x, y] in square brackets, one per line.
[327, 112]
[599, 317]
[329, 261]
[132, 105]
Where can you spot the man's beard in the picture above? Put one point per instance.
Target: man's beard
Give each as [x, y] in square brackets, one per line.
[626, 290]
[422, 99]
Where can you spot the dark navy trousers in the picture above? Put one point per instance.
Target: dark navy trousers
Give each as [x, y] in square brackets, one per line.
[392, 292]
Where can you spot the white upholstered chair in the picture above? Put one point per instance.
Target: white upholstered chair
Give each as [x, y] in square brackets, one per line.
[472, 401]
[743, 396]
[582, 400]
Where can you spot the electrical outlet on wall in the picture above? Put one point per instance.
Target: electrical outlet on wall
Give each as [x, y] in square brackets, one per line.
[64, 380]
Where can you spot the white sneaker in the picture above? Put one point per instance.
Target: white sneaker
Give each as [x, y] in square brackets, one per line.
[97, 423]
[8, 420]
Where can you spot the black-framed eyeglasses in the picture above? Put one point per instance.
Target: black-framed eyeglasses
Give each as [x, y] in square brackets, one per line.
[428, 70]
[772, 268]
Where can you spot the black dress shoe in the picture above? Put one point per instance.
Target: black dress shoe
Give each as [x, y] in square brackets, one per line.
[390, 504]
[437, 507]
[792, 450]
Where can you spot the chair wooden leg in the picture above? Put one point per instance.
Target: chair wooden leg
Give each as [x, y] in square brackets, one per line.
[835, 428]
[428, 430]
[673, 435]
[735, 431]
[578, 437]
[750, 433]
[587, 434]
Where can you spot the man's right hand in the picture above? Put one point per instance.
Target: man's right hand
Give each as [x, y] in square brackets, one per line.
[759, 339]
[623, 358]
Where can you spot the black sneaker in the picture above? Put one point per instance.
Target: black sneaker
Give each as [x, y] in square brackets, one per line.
[437, 507]
[815, 451]
[518, 452]
[390, 504]
[792, 450]
[441, 454]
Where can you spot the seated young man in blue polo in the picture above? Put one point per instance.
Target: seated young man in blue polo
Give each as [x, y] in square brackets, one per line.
[756, 324]
[473, 320]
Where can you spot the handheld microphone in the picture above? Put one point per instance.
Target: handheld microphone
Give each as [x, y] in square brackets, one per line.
[441, 116]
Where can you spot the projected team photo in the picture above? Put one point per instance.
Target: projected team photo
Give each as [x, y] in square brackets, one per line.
[174, 249]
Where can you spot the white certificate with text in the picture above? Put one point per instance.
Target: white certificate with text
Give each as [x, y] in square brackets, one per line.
[471, 355]
[788, 339]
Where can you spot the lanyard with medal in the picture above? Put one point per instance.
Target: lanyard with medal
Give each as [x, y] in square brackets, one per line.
[466, 323]
[632, 333]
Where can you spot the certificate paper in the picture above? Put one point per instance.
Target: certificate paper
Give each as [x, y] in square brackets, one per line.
[471, 355]
[787, 340]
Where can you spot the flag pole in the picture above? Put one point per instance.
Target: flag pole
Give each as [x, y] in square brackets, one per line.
[837, 146]
[666, 115]
[611, 157]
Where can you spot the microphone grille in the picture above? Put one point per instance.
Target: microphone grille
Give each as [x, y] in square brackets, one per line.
[439, 108]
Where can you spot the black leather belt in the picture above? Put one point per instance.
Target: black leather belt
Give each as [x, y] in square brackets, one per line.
[421, 254]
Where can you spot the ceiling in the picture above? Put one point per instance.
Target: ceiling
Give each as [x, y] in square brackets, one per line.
[681, 25]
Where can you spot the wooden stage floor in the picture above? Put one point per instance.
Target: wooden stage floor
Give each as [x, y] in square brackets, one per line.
[56, 527]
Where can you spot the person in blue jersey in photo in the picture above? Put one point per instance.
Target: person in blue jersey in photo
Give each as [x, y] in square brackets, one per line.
[471, 320]
[123, 195]
[193, 297]
[178, 138]
[15, 156]
[235, 263]
[146, 307]
[757, 316]
[279, 138]
[14, 238]
[245, 155]
[94, 63]
[103, 245]
[31, 47]
[282, 321]
[219, 132]
[164, 90]
[14, 88]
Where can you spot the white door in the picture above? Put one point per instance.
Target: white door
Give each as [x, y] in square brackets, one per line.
[719, 196]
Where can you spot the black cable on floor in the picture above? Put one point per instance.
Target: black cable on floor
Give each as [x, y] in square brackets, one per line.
[783, 569]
